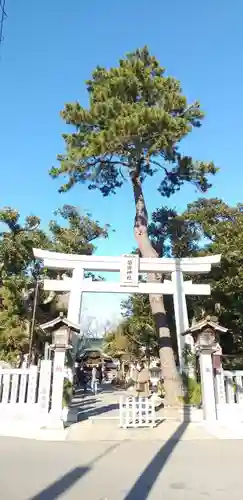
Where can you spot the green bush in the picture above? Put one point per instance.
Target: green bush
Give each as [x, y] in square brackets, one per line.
[192, 391]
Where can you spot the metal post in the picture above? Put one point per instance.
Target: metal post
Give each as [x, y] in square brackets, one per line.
[33, 323]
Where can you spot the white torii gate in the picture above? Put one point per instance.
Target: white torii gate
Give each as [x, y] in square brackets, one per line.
[129, 266]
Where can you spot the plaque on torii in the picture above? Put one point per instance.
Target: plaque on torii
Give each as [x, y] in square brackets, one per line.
[129, 266]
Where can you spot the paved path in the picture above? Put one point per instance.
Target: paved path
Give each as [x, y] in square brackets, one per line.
[141, 470]
[110, 431]
[103, 406]
[87, 405]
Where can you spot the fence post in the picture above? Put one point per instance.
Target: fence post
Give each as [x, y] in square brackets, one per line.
[22, 388]
[31, 396]
[57, 384]
[207, 381]
[44, 386]
[229, 387]
[220, 388]
[239, 389]
[6, 387]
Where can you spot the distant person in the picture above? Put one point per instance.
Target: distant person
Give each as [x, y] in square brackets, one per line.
[83, 379]
[76, 372]
[94, 380]
[100, 374]
[104, 373]
[141, 377]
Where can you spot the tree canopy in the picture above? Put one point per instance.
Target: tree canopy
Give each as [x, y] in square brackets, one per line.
[135, 121]
[220, 226]
[208, 226]
[70, 231]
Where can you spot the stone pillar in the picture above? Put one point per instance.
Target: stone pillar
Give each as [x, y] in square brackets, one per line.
[57, 383]
[219, 376]
[207, 384]
[181, 319]
[75, 297]
[44, 386]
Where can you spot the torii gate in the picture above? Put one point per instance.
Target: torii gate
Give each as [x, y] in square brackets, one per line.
[129, 266]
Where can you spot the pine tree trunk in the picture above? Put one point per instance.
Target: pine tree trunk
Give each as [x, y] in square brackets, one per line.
[172, 382]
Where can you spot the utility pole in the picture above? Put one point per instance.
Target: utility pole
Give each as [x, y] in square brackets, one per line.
[33, 323]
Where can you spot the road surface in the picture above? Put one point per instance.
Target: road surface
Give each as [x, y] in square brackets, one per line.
[128, 470]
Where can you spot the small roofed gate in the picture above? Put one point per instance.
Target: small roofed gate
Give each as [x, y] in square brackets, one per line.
[94, 357]
[25, 392]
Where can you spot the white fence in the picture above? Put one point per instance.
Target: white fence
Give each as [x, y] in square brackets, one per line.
[136, 412]
[229, 395]
[25, 391]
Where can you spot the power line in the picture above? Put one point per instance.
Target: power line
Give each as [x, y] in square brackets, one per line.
[3, 16]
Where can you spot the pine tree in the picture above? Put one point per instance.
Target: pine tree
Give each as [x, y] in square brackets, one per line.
[132, 130]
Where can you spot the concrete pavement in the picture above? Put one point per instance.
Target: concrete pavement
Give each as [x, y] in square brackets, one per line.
[128, 470]
[110, 431]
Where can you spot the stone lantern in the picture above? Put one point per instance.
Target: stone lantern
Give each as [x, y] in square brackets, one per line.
[62, 331]
[61, 337]
[206, 335]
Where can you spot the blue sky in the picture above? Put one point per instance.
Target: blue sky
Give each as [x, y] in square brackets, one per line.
[50, 49]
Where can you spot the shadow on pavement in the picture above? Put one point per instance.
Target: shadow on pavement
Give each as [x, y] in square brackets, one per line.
[57, 488]
[146, 480]
[90, 411]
